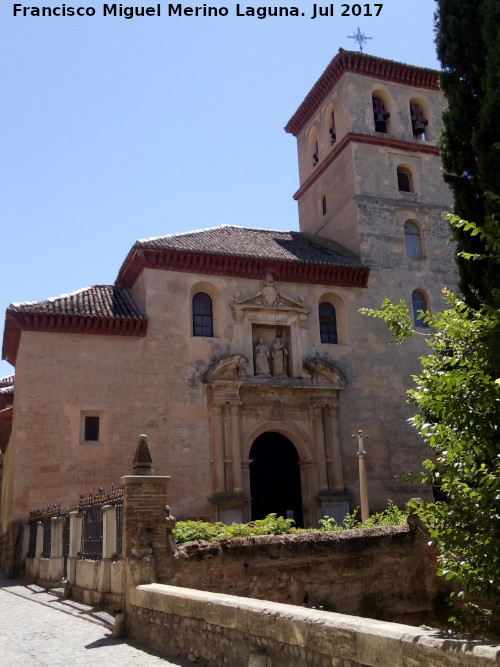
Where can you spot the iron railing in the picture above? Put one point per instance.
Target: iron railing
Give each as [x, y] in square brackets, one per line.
[92, 526]
[44, 516]
[91, 508]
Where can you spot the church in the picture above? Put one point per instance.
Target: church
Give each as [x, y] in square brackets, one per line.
[241, 352]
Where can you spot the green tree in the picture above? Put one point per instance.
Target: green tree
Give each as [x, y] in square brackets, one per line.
[458, 417]
[469, 51]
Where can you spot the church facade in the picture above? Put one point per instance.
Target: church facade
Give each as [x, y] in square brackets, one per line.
[241, 352]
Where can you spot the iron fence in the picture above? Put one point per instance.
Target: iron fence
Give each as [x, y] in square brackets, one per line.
[44, 517]
[92, 525]
[92, 529]
[66, 535]
[119, 514]
[47, 537]
[32, 542]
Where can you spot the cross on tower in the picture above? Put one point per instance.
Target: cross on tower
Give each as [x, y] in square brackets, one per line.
[359, 37]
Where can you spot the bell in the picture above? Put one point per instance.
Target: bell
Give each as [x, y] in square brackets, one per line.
[380, 123]
[418, 128]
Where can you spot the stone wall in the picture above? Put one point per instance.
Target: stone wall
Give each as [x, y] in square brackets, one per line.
[386, 572]
[212, 629]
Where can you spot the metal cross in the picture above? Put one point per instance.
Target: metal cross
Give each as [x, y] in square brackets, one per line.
[359, 37]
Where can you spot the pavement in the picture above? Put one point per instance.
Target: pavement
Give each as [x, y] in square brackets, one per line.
[38, 627]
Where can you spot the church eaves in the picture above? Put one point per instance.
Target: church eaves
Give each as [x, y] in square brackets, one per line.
[246, 252]
[100, 309]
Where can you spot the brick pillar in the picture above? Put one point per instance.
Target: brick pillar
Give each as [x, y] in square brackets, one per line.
[146, 547]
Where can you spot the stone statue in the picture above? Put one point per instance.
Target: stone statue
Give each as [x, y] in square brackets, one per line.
[280, 356]
[262, 355]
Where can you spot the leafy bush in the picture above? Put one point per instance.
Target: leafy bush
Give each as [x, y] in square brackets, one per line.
[391, 516]
[199, 531]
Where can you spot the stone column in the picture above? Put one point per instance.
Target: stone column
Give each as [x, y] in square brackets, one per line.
[335, 454]
[363, 490]
[319, 441]
[38, 550]
[39, 540]
[56, 567]
[226, 439]
[108, 547]
[75, 544]
[234, 411]
[108, 531]
[218, 449]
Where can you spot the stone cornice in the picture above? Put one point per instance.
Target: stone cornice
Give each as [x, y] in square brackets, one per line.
[365, 65]
[243, 267]
[372, 140]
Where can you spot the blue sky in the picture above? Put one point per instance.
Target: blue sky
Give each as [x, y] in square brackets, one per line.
[117, 129]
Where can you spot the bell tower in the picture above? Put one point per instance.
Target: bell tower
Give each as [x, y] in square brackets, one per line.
[369, 167]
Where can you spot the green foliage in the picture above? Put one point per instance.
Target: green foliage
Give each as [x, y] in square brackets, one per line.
[397, 318]
[391, 516]
[328, 523]
[198, 531]
[458, 403]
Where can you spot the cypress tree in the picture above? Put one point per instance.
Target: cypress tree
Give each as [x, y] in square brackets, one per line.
[469, 51]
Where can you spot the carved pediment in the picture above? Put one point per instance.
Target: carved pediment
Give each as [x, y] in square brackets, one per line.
[270, 296]
[226, 368]
[324, 371]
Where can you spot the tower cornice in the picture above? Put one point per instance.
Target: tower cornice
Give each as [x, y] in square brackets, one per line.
[366, 65]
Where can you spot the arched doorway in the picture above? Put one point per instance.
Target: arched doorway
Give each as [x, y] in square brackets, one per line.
[275, 478]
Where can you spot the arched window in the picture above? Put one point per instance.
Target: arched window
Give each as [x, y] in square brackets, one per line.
[404, 179]
[418, 121]
[327, 323]
[202, 315]
[333, 133]
[313, 145]
[380, 114]
[413, 243]
[419, 303]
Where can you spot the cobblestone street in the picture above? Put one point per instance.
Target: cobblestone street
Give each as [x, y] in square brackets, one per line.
[38, 628]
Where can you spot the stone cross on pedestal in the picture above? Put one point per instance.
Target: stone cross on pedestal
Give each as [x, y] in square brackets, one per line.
[363, 491]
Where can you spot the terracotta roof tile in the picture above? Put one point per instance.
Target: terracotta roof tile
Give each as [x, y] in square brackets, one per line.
[255, 243]
[7, 381]
[107, 301]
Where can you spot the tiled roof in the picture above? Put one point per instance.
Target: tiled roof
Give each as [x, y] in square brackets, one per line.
[100, 309]
[248, 242]
[106, 301]
[7, 382]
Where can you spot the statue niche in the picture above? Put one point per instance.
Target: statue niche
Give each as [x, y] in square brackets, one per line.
[272, 361]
